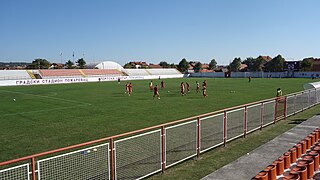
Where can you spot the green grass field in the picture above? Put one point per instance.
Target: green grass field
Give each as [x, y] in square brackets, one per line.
[47, 117]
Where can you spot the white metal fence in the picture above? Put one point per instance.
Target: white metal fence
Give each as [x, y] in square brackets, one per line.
[150, 152]
[89, 163]
[211, 128]
[138, 156]
[181, 142]
[14, 173]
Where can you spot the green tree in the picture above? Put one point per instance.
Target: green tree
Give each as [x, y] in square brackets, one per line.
[69, 64]
[250, 62]
[235, 65]
[276, 64]
[212, 64]
[164, 64]
[183, 65]
[39, 64]
[197, 67]
[128, 66]
[81, 63]
[259, 64]
[306, 64]
[173, 65]
[254, 64]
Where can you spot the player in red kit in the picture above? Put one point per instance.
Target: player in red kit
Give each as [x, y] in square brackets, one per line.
[197, 87]
[188, 86]
[204, 83]
[156, 92]
[162, 84]
[182, 89]
[130, 88]
[127, 88]
[204, 88]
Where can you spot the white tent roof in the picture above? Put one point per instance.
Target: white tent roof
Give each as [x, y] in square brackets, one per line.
[311, 85]
[109, 65]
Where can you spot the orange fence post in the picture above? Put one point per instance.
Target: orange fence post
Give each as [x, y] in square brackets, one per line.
[275, 111]
[261, 116]
[294, 104]
[245, 122]
[302, 101]
[285, 107]
[163, 160]
[33, 169]
[224, 128]
[112, 172]
[309, 97]
[198, 137]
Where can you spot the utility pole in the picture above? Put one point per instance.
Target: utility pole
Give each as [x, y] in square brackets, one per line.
[61, 57]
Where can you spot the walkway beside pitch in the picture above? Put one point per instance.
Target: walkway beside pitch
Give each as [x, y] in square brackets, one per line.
[248, 166]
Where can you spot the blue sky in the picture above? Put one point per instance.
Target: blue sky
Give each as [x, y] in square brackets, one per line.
[154, 31]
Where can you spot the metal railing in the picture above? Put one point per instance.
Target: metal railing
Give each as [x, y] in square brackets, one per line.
[141, 153]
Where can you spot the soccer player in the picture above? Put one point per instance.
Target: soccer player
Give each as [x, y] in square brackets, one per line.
[150, 85]
[204, 91]
[162, 84]
[204, 83]
[204, 88]
[127, 88]
[197, 87]
[130, 88]
[182, 89]
[249, 78]
[188, 86]
[156, 92]
[118, 80]
[279, 94]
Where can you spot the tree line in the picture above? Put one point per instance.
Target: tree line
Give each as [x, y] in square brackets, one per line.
[45, 64]
[275, 64]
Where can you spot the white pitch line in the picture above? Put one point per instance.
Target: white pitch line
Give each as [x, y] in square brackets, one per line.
[60, 99]
[44, 110]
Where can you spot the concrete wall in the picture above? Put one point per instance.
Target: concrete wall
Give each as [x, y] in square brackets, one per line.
[26, 82]
[259, 74]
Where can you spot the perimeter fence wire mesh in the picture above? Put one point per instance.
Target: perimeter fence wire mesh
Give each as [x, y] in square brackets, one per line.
[138, 156]
[88, 163]
[15, 173]
[268, 112]
[253, 117]
[299, 102]
[181, 142]
[290, 105]
[211, 129]
[235, 121]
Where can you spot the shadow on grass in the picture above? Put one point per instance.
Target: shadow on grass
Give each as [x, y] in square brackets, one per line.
[297, 121]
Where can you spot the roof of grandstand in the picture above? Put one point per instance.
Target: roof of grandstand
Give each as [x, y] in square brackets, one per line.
[109, 65]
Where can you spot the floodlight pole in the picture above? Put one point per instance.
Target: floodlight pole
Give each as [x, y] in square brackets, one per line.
[61, 58]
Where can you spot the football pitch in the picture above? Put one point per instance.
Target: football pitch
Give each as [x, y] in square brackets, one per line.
[45, 117]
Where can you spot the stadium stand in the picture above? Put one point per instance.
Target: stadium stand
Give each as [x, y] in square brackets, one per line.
[137, 72]
[102, 72]
[14, 74]
[60, 73]
[146, 72]
[170, 71]
[300, 162]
